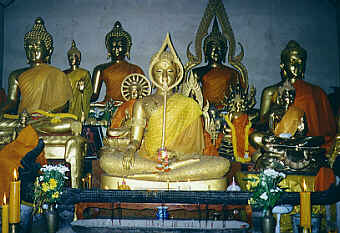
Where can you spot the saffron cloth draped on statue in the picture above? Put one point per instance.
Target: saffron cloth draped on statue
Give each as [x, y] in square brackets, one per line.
[114, 75]
[314, 102]
[216, 83]
[184, 131]
[43, 87]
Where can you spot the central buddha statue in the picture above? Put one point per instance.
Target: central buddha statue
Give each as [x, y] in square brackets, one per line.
[42, 86]
[215, 78]
[311, 99]
[118, 44]
[179, 138]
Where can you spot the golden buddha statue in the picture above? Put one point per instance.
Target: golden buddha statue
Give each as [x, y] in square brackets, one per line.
[80, 80]
[215, 78]
[311, 99]
[42, 86]
[285, 145]
[118, 44]
[134, 87]
[178, 141]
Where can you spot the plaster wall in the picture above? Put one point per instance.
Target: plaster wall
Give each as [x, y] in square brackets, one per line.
[263, 27]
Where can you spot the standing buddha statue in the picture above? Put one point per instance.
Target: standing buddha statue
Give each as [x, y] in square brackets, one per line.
[311, 99]
[215, 78]
[42, 86]
[118, 44]
[80, 80]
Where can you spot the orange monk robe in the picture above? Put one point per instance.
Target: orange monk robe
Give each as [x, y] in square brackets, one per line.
[120, 115]
[314, 102]
[12, 153]
[113, 77]
[43, 87]
[216, 83]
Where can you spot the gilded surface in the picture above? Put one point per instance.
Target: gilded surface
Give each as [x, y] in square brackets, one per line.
[166, 72]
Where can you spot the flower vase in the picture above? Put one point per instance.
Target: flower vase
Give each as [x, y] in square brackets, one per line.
[52, 218]
[268, 222]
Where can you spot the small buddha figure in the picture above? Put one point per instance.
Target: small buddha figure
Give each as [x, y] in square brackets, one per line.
[215, 78]
[237, 127]
[179, 139]
[311, 99]
[80, 80]
[42, 86]
[118, 44]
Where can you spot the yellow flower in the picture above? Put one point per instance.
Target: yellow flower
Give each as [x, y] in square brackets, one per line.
[55, 195]
[45, 187]
[53, 183]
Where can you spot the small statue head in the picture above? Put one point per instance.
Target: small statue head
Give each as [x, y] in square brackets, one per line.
[215, 46]
[74, 55]
[293, 61]
[38, 44]
[286, 95]
[239, 99]
[118, 43]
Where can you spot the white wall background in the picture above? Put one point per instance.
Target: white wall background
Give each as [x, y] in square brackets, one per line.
[263, 27]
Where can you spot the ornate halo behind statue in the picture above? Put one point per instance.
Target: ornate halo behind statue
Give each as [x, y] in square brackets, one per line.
[135, 86]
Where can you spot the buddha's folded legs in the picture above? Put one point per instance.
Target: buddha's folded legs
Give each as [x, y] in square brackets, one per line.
[206, 167]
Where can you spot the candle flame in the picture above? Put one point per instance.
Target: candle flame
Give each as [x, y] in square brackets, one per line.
[304, 186]
[15, 174]
[5, 199]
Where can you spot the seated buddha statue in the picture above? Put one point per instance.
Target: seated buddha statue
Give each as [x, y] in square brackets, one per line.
[134, 87]
[285, 145]
[179, 141]
[215, 78]
[311, 99]
[80, 80]
[42, 86]
[118, 44]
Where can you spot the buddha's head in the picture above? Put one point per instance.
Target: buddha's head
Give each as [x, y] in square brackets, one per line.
[215, 46]
[118, 43]
[74, 55]
[166, 69]
[38, 44]
[293, 61]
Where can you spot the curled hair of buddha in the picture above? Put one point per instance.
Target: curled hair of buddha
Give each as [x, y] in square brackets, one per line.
[39, 33]
[293, 47]
[216, 37]
[118, 32]
[74, 50]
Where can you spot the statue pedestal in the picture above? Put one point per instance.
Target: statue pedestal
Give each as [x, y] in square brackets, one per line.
[111, 182]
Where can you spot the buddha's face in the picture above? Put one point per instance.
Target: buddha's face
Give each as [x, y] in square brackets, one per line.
[294, 66]
[118, 48]
[135, 92]
[165, 71]
[216, 52]
[74, 60]
[36, 52]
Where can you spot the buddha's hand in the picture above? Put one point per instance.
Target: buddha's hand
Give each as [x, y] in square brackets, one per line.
[129, 157]
[81, 85]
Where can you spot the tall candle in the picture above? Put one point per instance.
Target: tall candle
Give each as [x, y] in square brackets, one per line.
[305, 208]
[4, 216]
[14, 199]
